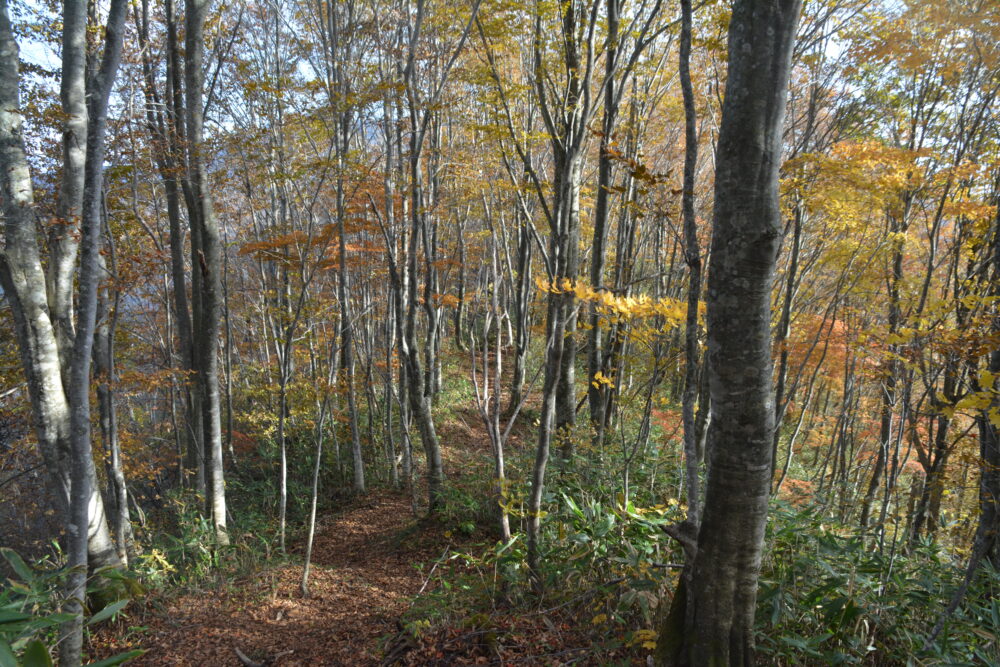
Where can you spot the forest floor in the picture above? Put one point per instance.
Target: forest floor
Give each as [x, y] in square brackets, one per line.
[364, 574]
[371, 558]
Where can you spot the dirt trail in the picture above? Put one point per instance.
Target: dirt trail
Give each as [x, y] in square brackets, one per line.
[362, 579]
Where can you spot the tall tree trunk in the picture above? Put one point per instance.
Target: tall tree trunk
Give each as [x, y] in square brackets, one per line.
[282, 449]
[23, 280]
[419, 396]
[522, 314]
[988, 532]
[553, 358]
[206, 264]
[104, 369]
[347, 350]
[781, 337]
[63, 246]
[165, 124]
[889, 390]
[692, 257]
[459, 316]
[596, 391]
[569, 252]
[320, 423]
[83, 480]
[986, 542]
[717, 626]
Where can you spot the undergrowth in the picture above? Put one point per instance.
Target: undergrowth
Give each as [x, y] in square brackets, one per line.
[826, 597]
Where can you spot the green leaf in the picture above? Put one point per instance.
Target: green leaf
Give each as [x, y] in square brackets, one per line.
[573, 506]
[19, 588]
[117, 659]
[501, 548]
[108, 611]
[16, 562]
[7, 658]
[59, 618]
[36, 655]
[12, 617]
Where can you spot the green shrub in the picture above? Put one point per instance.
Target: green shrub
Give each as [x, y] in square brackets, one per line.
[827, 598]
[29, 616]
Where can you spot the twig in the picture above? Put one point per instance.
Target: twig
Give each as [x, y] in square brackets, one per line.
[7, 392]
[245, 660]
[686, 534]
[582, 596]
[19, 474]
[434, 567]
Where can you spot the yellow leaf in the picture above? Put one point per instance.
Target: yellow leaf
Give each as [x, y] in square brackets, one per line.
[986, 380]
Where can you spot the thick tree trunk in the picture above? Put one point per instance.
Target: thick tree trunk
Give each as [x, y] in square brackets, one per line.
[717, 626]
[23, 281]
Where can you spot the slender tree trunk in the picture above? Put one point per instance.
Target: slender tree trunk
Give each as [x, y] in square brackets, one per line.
[418, 394]
[315, 495]
[553, 354]
[596, 391]
[988, 532]
[83, 480]
[522, 315]
[346, 345]
[692, 257]
[104, 370]
[282, 453]
[207, 264]
[781, 339]
[888, 388]
[165, 124]
[63, 245]
[986, 542]
[565, 403]
[459, 317]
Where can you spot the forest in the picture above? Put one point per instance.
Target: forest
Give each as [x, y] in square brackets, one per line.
[500, 332]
